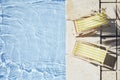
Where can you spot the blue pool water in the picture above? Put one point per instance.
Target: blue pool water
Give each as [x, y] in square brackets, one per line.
[32, 40]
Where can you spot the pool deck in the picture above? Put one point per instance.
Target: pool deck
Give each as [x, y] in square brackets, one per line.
[78, 69]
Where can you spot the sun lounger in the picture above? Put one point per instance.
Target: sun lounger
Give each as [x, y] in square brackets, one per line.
[96, 54]
[84, 25]
[89, 52]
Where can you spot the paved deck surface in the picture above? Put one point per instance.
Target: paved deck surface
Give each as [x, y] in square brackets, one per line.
[78, 69]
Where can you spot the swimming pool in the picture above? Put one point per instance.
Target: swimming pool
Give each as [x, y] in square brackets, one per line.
[32, 40]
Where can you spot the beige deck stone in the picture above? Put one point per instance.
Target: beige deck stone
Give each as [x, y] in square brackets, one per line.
[108, 75]
[118, 6]
[70, 37]
[118, 76]
[77, 8]
[78, 69]
[108, 0]
[110, 9]
[118, 63]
